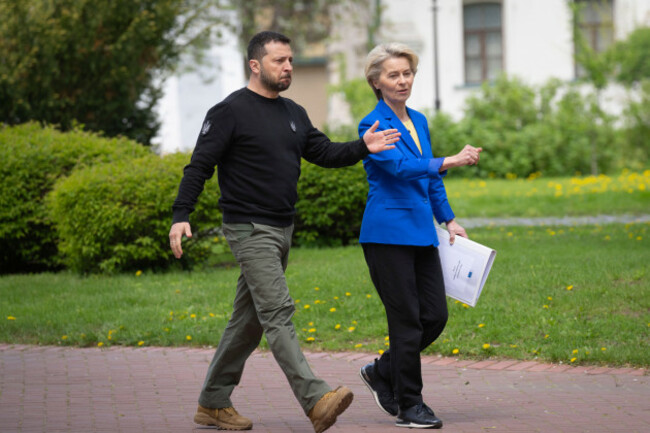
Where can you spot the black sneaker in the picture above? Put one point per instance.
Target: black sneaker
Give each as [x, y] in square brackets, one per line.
[418, 416]
[381, 389]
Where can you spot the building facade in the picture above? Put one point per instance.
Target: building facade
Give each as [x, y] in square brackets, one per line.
[479, 39]
[476, 41]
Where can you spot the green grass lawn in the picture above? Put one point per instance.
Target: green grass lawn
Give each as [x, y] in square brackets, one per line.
[578, 295]
[627, 193]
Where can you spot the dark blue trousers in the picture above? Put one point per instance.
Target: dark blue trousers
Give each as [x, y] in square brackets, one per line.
[409, 282]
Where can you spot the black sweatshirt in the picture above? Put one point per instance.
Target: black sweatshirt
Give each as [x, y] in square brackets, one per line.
[257, 143]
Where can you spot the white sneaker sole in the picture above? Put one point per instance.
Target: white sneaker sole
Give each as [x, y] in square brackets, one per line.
[374, 394]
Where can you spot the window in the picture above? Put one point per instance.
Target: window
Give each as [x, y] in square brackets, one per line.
[596, 24]
[483, 42]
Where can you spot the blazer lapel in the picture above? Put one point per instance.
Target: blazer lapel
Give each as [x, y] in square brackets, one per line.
[394, 122]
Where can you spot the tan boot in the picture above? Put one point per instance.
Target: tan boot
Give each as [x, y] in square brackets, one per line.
[225, 418]
[331, 405]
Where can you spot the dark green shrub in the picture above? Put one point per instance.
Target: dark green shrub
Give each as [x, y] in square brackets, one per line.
[330, 205]
[116, 217]
[33, 158]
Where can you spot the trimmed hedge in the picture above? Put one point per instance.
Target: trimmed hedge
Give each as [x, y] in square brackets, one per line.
[33, 158]
[330, 205]
[116, 217]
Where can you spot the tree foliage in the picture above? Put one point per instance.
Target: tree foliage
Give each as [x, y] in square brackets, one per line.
[97, 63]
[631, 57]
[302, 21]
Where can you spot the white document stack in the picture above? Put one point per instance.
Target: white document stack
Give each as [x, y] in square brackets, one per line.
[465, 266]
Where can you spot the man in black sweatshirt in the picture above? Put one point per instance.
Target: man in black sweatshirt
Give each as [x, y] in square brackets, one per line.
[256, 139]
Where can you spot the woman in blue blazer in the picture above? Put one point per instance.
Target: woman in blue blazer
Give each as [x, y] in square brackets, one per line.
[399, 239]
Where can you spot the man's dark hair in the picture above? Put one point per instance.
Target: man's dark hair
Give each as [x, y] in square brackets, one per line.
[256, 46]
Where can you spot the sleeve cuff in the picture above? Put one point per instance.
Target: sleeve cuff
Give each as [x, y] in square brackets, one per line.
[180, 216]
[434, 167]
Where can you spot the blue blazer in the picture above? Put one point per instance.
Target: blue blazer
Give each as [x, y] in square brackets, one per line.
[406, 189]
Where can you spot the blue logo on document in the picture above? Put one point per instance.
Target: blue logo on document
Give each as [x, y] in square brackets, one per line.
[469, 275]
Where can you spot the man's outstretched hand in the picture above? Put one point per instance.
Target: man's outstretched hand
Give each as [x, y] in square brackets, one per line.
[378, 141]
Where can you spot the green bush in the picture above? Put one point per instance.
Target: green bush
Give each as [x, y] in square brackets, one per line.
[524, 130]
[33, 158]
[116, 217]
[330, 205]
[637, 130]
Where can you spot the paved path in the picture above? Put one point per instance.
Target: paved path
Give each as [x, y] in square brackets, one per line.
[123, 389]
[551, 221]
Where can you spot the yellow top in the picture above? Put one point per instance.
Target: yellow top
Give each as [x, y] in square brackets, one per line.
[414, 135]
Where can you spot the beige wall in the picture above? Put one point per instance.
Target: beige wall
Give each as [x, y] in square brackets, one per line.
[309, 89]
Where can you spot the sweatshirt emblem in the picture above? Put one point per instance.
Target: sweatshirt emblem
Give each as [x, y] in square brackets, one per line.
[293, 126]
[206, 127]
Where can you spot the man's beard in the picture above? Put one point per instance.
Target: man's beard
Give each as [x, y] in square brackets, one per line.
[269, 83]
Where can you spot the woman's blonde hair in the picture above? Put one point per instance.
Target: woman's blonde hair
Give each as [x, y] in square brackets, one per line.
[380, 54]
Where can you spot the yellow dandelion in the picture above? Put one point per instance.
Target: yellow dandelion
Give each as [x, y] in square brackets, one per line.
[486, 346]
[354, 322]
[311, 324]
[336, 298]
[316, 288]
[575, 351]
[211, 314]
[351, 328]
[312, 329]
[455, 351]
[603, 349]
[100, 344]
[332, 310]
[545, 306]
[140, 343]
[380, 351]
[513, 345]
[306, 307]
[358, 345]
[573, 359]
[166, 329]
[65, 337]
[11, 318]
[639, 238]
[193, 316]
[138, 273]
[387, 344]
[317, 301]
[310, 339]
[188, 338]
[368, 296]
[481, 325]
[386, 338]
[569, 287]
[546, 336]
[348, 294]
[337, 326]
[549, 298]
[297, 301]
[465, 306]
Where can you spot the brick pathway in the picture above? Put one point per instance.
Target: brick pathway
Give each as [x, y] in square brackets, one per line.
[55, 389]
